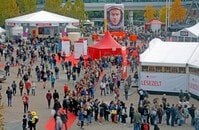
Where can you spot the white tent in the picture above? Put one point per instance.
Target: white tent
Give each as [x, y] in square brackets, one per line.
[2, 30]
[41, 17]
[190, 34]
[162, 53]
[164, 66]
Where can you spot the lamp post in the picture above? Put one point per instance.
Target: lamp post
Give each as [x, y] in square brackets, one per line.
[168, 3]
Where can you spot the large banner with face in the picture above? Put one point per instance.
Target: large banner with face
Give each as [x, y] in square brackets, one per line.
[163, 82]
[114, 16]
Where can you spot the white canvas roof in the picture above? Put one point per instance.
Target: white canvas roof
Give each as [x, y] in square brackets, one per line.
[162, 53]
[2, 30]
[194, 30]
[194, 60]
[42, 17]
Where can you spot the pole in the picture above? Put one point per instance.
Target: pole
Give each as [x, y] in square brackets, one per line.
[166, 20]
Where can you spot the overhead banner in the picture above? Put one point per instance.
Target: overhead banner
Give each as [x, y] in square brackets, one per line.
[163, 82]
[194, 84]
[114, 16]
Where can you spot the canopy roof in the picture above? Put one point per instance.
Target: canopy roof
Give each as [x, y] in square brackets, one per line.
[194, 60]
[107, 42]
[162, 53]
[194, 30]
[42, 17]
[2, 30]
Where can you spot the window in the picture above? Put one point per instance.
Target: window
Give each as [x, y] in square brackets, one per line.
[174, 38]
[145, 68]
[174, 69]
[181, 39]
[159, 69]
[187, 39]
[167, 69]
[152, 68]
[44, 30]
[194, 39]
[182, 70]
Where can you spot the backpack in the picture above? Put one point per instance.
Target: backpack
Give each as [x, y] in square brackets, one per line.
[145, 126]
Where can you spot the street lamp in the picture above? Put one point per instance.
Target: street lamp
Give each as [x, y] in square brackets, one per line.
[168, 3]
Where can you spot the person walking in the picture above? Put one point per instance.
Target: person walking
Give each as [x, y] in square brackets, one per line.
[192, 114]
[55, 95]
[21, 86]
[34, 121]
[25, 100]
[28, 86]
[126, 91]
[131, 112]
[24, 122]
[52, 81]
[137, 120]
[14, 88]
[9, 96]
[197, 119]
[33, 88]
[49, 98]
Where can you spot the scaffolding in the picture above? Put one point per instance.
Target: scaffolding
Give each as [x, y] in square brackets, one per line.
[193, 12]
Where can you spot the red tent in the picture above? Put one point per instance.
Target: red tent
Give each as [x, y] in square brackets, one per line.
[107, 46]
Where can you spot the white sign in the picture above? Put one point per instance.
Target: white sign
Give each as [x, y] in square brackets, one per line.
[78, 49]
[194, 84]
[85, 47]
[66, 47]
[163, 82]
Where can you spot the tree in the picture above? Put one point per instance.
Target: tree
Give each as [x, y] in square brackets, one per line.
[26, 6]
[150, 13]
[162, 14]
[177, 12]
[67, 9]
[79, 9]
[8, 9]
[53, 6]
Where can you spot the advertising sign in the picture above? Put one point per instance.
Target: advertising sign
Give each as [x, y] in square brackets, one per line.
[163, 82]
[66, 47]
[194, 84]
[114, 16]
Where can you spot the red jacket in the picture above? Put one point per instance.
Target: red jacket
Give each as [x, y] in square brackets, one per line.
[48, 96]
[65, 88]
[25, 99]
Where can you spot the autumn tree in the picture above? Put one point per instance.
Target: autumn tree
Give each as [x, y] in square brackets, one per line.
[67, 9]
[150, 13]
[8, 9]
[79, 9]
[54, 6]
[177, 12]
[162, 14]
[26, 6]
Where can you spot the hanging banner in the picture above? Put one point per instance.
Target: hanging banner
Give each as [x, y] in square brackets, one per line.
[124, 63]
[194, 84]
[65, 47]
[78, 49]
[114, 16]
[163, 82]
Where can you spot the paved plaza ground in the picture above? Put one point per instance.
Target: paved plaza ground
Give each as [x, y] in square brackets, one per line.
[13, 115]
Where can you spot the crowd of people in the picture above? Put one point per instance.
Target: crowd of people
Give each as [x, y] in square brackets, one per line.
[42, 63]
